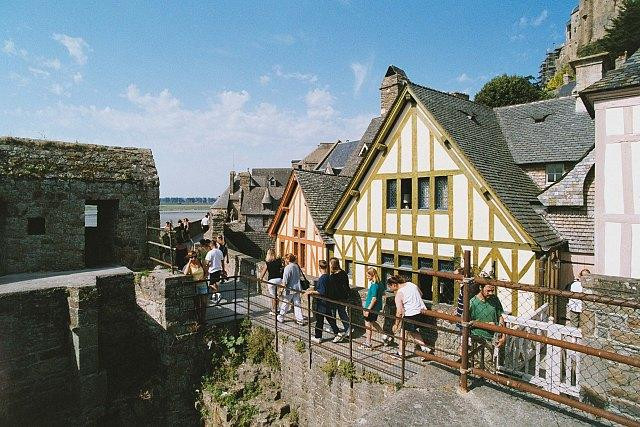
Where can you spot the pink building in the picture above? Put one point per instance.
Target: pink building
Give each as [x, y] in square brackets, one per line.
[614, 101]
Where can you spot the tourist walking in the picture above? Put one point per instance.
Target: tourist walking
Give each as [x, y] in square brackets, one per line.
[273, 271]
[181, 245]
[292, 289]
[214, 267]
[204, 223]
[339, 290]
[409, 305]
[375, 293]
[167, 240]
[188, 233]
[322, 308]
[195, 269]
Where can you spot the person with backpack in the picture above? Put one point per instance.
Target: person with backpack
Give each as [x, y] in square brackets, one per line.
[339, 290]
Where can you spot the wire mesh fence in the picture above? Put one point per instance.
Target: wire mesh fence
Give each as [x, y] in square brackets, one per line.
[582, 361]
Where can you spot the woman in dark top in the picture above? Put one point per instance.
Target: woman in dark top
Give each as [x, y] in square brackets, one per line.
[339, 290]
[322, 307]
[273, 270]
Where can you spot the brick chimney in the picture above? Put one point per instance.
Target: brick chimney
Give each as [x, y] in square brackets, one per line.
[390, 88]
[232, 178]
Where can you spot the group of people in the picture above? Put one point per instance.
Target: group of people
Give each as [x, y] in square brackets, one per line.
[207, 266]
[180, 238]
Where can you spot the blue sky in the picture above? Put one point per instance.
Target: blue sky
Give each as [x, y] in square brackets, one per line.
[211, 86]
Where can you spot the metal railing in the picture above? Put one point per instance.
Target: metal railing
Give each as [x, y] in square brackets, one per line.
[246, 297]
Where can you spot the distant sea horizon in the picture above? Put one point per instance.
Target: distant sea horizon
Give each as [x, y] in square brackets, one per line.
[170, 212]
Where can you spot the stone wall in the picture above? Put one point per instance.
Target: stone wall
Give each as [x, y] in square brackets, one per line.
[611, 385]
[319, 403]
[114, 349]
[44, 186]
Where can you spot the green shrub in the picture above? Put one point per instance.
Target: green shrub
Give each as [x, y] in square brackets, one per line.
[348, 370]
[330, 368]
[260, 347]
[372, 377]
[300, 346]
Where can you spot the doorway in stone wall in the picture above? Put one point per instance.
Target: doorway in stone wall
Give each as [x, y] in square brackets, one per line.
[3, 234]
[100, 226]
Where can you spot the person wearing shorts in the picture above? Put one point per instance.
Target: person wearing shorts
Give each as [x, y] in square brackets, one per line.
[214, 262]
[273, 271]
[409, 305]
[373, 302]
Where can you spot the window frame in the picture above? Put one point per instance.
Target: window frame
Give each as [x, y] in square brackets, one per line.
[436, 203]
[406, 184]
[548, 172]
[424, 179]
[387, 198]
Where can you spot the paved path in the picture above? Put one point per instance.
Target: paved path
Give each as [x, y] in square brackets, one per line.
[44, 280]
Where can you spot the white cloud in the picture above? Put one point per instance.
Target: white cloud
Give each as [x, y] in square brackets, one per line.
[52, 63]
[360, 72]
[9, 47]
[19, 79]
[257, 135]
[76, 46]
[285, 39]
[264, 80]
[523, 22]
[311, 78]
[463, 78]
[38, 72]
[77, 77]
[538, 20]
[56, 89]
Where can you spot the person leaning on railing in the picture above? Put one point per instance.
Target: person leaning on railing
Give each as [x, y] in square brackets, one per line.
[486, 307]
[195, 269]
[322, 308]
[339, 290]
[273, 270]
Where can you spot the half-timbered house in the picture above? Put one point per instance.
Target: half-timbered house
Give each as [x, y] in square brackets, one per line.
[298, 226]
[439, 179]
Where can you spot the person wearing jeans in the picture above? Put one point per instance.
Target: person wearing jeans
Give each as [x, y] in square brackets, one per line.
[322, 309]
[292, 289]
[339, 290]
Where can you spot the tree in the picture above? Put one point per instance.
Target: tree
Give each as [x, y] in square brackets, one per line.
[622, 35]
[508, 90]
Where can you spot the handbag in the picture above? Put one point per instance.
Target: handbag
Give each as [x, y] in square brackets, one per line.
[304, 282]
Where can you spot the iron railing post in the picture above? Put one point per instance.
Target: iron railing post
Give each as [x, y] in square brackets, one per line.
[275, 317]
[464, 345]
[248, 299]
[235, 297]
[403, 344]
[309, 325]
[349, 312]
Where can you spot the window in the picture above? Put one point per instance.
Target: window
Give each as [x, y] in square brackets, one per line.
[348, 266]
[425, 282]
[387, 260]
[281, 254]
[405, 193]
[392, 194]
[423, 193]
[302, 258]
[265, 221]
[35, 226]
[404, 261]
[445, 286]
[554, 172]
[442, 193]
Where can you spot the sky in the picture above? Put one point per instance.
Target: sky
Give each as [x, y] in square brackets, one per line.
[217, 86]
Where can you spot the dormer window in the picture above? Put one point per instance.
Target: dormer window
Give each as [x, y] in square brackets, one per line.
[272, 182]
[554, 172]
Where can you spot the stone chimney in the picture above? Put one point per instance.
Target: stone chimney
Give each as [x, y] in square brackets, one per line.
[245, 180]
[566, 78]
[232, 178]
[460, 95]
[392, 84]
[620, 60]
[589, 70]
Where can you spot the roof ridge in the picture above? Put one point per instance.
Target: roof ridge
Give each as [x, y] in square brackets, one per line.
[533, 102]
[448, 94]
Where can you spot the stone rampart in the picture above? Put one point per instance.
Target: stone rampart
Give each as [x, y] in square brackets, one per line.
[611, 385]
[115, 348]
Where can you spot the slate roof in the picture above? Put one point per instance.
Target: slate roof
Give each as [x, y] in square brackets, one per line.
[576, 226]
[42, 159]
[338, 156]
[252, 199]
[475, 128]
[628, 75]
[322, 193]
[569, 190]
[317, 155]
[546, 131]
[355, 159]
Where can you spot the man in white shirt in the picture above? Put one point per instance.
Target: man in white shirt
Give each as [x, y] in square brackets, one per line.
[213, 260]
[204, 222]
[574, 306]
[409, 305]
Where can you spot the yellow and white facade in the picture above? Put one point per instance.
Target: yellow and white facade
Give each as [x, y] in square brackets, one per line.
[442, 207]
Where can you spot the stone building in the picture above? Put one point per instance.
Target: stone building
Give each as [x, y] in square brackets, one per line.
[245, 209]
[47, 186]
